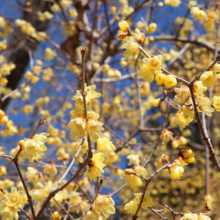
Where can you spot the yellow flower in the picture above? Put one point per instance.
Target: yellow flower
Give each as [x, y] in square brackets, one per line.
[216, 103]
[3, 170]
[151, 28]
[140, 170]
[139, 37]
[12, 202]
[59, 197]
[74, 198]
[38, 195]
[204, 105]
[216, 70]
[50, 169]
[74, 146]
[131, 47]
[133, 181]
[33, 175]
[189, 216]
[198, 14]
[132, 206]
[32, 147]
[198, 89]
[155, 62]
[160, 77]
[93, 215]
[123, 25]
[181, 120]
[208, 78]
[203, 217]
[111, 158]
[133, 159]
[170, 81]
[188, 111]
[145, 89]
[104, 204]
[166, 136]
[183, 95]
[78, 128]
[96, 166]
[91, 94]
[104, 145]
[49, 54]
[56, 216]
[83, 206]
[94, 129]
[187, 155]
[146, 72]
[176, 172]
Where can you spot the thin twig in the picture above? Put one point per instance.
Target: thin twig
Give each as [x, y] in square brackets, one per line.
[70, 165]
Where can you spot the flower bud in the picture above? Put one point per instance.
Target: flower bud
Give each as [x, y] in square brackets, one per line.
[170, 81]
[129, 171]
[175, 143]
[2, 114]
[176, 172]
[56, 216]
[183, 141]
[156, 102]
[121, 36]
[123, 25]
[187, 155]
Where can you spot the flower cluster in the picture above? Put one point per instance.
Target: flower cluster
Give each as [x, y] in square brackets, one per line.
[12, 202]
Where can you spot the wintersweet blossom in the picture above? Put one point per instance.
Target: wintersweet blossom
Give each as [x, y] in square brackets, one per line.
[49, 54]
[176, 172]
[104, 145]
[91, 94]
[208, 78]
[104, 204]
[198, 89]
[12, 202]
[74, 146]
[81, 128]
[33, 175]
[181, 120]
[187, 155]
[204, 105]
[189, 216]
[166, 136]
[216, 103]
[131, 47]
[133, 159]
[198, 14]
[74, 198]
[123, 25]
[133, 205]
[32, 147]
[139, 37]
[170, 81]
[183, 95]
[131, 179]
[96, 166]
[93, 215]
[56, 216]
[50, 169]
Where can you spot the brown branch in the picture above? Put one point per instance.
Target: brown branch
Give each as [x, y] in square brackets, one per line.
[70, 165]
[41, 122]
[26, 214]
[205, 137]
[185, 40]
[148, 181]
[54, 192]
[207, 69]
